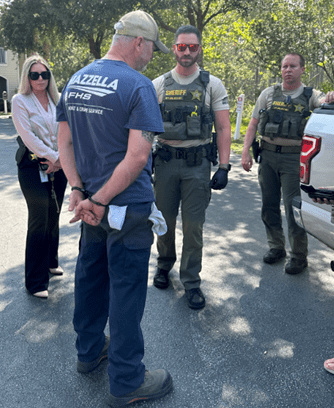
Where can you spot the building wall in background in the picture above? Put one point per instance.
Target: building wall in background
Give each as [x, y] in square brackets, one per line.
[10, 70]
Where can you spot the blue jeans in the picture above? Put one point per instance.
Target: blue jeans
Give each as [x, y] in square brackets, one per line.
[111, 281]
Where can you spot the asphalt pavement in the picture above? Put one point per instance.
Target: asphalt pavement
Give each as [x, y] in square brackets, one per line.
[260, 342]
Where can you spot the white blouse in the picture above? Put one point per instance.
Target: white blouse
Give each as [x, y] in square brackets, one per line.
[37, 127]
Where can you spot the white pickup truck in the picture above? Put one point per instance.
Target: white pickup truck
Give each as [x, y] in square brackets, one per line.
[316, 170]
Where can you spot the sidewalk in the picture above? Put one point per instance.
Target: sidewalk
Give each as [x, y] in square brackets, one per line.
[260, 342]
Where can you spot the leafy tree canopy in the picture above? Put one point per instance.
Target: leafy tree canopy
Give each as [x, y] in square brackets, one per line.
[243, 41]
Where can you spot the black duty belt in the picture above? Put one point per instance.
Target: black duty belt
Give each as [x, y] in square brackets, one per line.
[181, 152]
[279, 149]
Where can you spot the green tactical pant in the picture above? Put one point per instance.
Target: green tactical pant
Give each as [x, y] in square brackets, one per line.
[177, 183]
[280, 172]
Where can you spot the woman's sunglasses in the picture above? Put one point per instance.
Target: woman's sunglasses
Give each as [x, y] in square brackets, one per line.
[183, 47]
[35, 75]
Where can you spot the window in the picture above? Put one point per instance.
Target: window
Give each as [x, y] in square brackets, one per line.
[3, 56]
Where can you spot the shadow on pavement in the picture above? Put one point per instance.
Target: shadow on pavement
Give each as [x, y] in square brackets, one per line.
[260, 341]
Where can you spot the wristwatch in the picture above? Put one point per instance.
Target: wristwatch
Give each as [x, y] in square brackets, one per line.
[224, 166]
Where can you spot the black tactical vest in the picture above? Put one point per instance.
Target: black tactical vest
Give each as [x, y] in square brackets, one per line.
[183, 110]
[287, 117]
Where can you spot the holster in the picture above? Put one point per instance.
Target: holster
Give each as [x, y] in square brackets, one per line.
[211, 150]
[24, 157]
[21, 151]
[256, 149]
[164, 153]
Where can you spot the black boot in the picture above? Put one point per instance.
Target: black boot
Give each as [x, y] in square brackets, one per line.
[274, 255]
[195, 298]
[160, 279]
[295, 266]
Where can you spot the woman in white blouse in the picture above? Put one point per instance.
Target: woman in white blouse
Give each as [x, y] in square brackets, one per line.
[42, 182]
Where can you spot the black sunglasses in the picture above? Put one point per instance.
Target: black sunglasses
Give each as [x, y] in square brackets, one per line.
[35, 75]
[183, 47]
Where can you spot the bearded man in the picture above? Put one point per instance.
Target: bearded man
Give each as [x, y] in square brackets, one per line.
[191, 101]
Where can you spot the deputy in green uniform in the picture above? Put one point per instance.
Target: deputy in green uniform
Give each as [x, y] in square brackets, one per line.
[191, 101]
[280, 116]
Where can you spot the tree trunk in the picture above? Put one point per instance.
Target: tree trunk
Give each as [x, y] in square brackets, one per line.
[95, 47]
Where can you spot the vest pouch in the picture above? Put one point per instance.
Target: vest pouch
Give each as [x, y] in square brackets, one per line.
[295, 132]
[174, 132]
[271, 129]
[286, 128]
[206, 131]
[262, 121]
[194, 156]
[194, 127]
[302, 127]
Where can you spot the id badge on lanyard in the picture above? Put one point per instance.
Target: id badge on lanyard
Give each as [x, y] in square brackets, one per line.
[43, 176]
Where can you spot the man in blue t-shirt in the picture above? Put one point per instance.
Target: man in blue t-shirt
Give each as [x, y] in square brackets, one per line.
[108, 116]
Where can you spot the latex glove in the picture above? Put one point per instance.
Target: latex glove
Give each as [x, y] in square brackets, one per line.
[219, 179]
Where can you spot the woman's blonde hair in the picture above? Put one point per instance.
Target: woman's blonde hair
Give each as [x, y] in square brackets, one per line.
[25, 87]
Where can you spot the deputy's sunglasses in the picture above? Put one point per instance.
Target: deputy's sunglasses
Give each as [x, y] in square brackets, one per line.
[183, 47]
[35, 75]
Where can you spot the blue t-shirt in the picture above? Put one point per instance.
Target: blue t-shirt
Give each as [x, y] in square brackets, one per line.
[101, 102]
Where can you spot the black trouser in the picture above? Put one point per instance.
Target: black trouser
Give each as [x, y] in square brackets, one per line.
[43, 225]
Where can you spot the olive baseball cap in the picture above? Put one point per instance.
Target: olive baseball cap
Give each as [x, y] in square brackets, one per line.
[140, 24]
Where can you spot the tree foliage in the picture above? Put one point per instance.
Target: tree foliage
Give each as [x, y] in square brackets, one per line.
[198, 13]
[278, 27]
[230, 62]
[25, 26]
[243, 41]
[87, 20]
[67, 58]
[35, 25]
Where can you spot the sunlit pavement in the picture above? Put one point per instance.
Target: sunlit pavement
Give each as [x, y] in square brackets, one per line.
[260, 342]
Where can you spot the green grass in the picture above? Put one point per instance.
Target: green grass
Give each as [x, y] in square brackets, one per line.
[237, 145]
